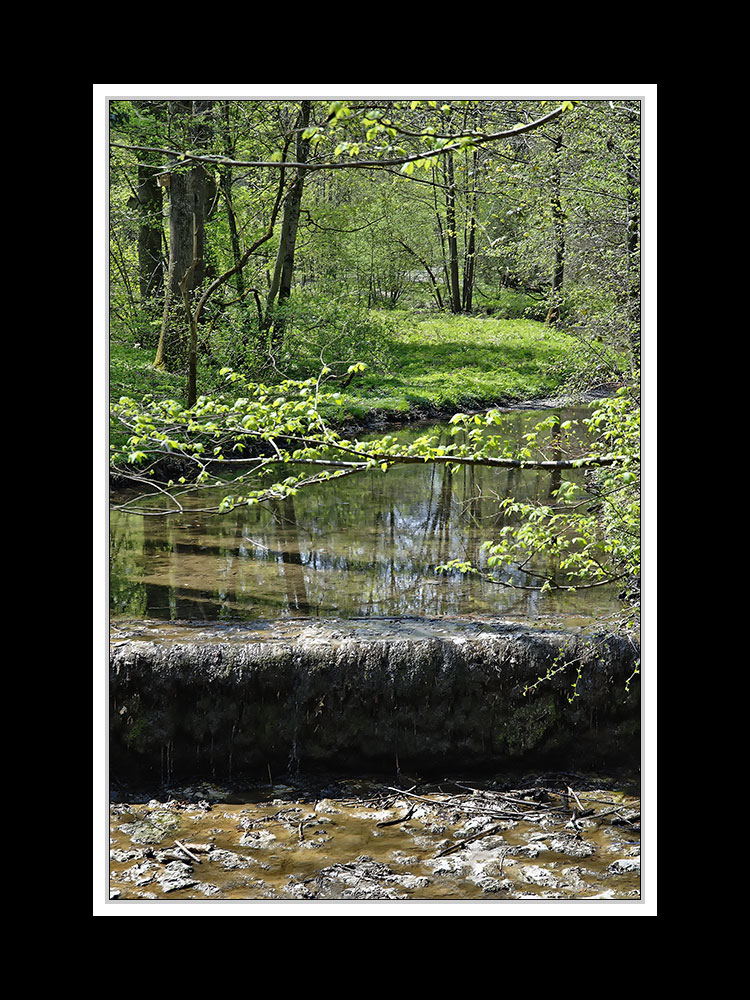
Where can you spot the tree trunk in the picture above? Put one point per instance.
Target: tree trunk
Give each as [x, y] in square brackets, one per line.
[439, 224]
[452, 235]
[426, 266]
[558, 225]
[191, 197]
[148, 202]
[470, 253]
[634, 261]
[225, 183]
[281, 283]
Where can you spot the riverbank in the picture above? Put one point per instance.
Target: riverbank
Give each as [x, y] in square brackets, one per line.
[434, 366]
[444, 364]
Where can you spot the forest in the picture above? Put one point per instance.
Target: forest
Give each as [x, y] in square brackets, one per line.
[375, 360]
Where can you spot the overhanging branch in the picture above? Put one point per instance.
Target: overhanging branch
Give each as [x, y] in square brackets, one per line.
[178, 157]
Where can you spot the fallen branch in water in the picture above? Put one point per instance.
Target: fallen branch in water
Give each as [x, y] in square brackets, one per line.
[468, 840]
[188, 852]
[403, 819]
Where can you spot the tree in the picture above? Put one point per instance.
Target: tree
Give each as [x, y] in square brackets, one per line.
[281, 284]
[558, 221]
[192, 192]
[377, 133]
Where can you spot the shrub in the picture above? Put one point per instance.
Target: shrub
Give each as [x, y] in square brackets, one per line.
[321, 330]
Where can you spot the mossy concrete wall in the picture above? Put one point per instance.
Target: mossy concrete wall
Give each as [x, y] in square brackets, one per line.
[195, 705]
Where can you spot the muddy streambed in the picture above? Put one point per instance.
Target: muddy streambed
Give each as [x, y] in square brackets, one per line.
[542, 837]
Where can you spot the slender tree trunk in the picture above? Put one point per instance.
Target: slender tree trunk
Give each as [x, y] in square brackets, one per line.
[634, 260]
[452, 234]
[192, 319]
[160, 362]
[225, 183]
[441, 234]
[148, 202]
[426, 266]
[558, 226]
[470, 253]
[281, 283]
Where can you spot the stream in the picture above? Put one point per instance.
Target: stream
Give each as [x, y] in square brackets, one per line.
[365, 549]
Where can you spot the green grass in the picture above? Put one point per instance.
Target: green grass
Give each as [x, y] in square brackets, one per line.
[463, 362]
[434, 363]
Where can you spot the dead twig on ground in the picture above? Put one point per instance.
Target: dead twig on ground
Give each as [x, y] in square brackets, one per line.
[188, 852]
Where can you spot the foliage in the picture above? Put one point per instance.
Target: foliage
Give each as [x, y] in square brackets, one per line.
[590, 533]
[324, 330]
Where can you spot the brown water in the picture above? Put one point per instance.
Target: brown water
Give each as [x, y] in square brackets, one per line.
[361, 839]
[365, 546]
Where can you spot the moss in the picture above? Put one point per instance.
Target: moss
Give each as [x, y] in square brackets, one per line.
[530, 724]
[136, 733]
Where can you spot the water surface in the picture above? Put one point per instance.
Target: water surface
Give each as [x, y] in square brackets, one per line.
[365, 546]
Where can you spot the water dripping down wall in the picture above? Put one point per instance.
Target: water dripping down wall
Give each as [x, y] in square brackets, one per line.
[231, 703]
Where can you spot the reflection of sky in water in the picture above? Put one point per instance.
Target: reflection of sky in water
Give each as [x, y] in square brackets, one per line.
[367, 546]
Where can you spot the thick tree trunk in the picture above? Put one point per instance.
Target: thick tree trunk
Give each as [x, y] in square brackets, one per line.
[148, 202]
[191, 196]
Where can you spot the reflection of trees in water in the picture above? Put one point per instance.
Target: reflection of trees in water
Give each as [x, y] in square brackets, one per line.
[556, 475]
[367, 545]
[439, 529]
[289, 547]
[126, 590]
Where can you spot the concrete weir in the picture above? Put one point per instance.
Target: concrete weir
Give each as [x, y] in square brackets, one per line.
[230, 702]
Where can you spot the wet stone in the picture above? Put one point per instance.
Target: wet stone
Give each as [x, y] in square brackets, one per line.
[151, 829]
[176, 875]
[140, 874]
[363, 879]
[571, 845]
[231, 860]
[121, 856]
[623, 865]
[257, 838]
